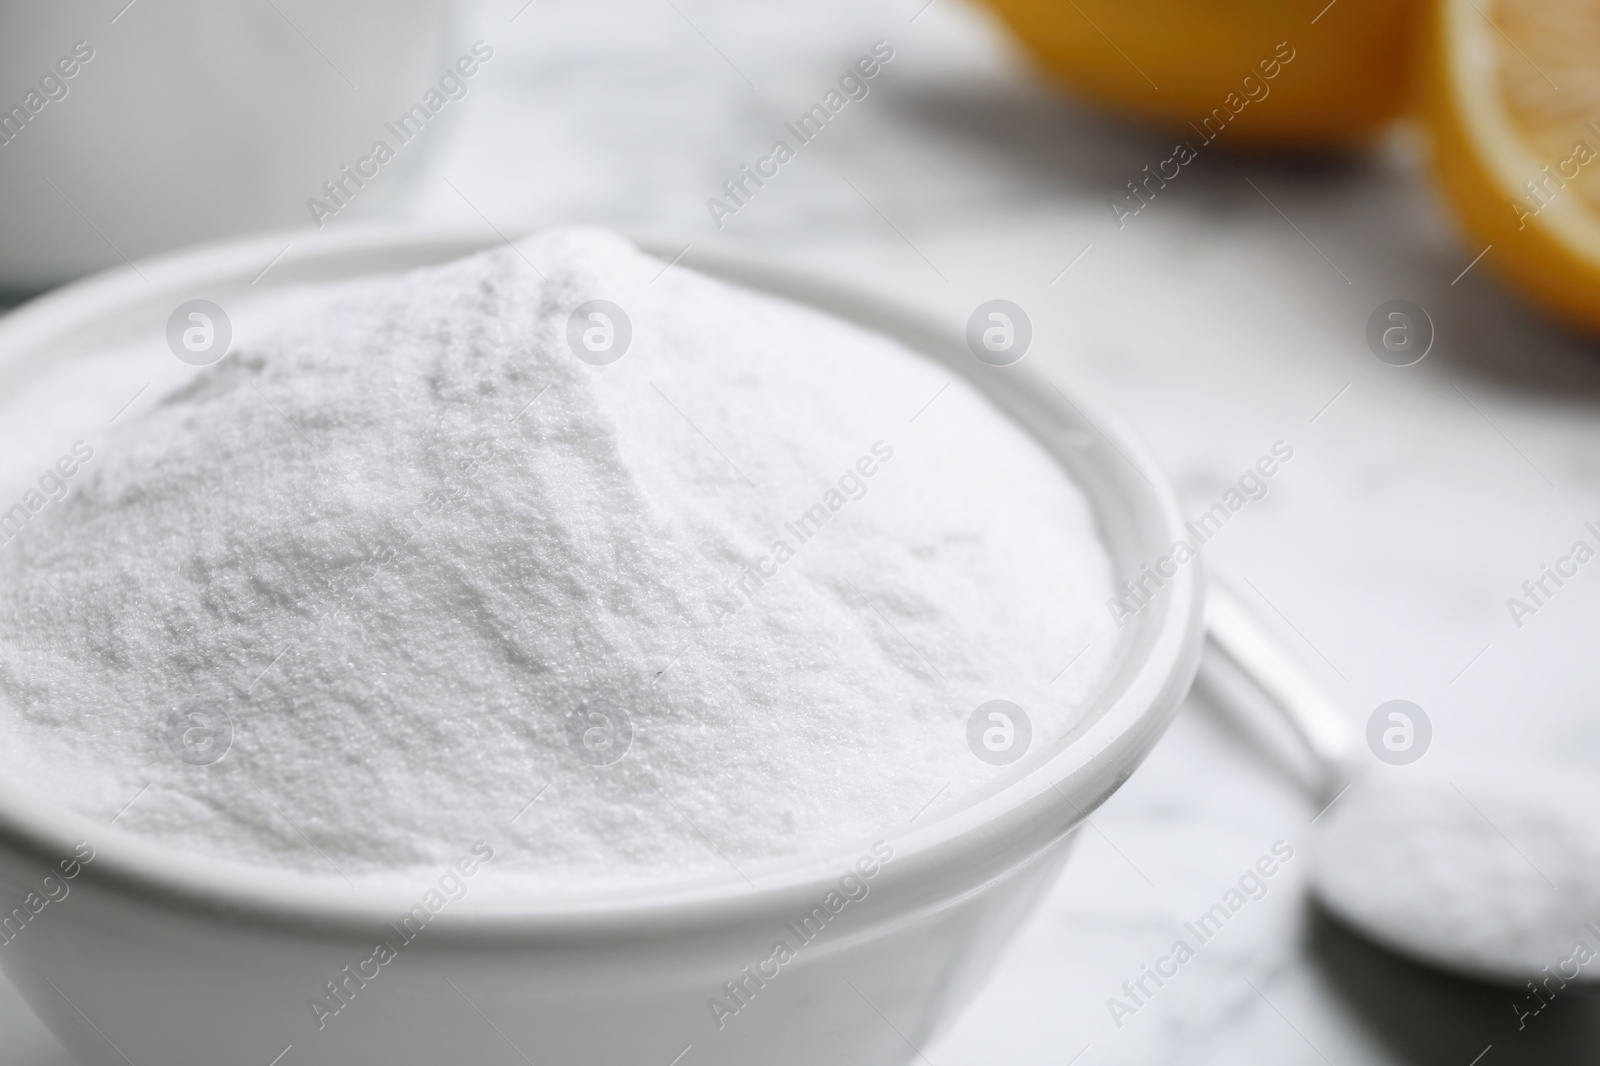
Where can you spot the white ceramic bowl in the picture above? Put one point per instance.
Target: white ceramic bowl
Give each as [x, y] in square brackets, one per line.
[195, 119]
[167, 958]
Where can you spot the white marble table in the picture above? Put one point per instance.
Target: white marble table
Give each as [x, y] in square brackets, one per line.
[1229, 315]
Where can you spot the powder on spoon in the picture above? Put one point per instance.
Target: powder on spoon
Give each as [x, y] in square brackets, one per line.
[1493, 870]
[415, 565]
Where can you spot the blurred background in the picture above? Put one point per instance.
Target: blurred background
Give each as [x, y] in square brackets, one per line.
[1219, 298]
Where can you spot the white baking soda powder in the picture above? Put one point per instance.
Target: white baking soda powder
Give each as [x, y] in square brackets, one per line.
[1491, 868]
[633, 572]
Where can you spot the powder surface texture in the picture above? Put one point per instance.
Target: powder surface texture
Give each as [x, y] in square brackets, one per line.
[1493, 870]
[431, 578]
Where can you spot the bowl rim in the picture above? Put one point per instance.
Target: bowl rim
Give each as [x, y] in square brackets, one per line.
[979, 841]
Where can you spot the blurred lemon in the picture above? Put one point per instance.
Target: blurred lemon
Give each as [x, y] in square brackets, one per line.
[1513, 106]
[1300, 73]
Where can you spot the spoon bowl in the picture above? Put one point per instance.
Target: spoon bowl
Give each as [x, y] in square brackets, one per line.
[1490, 871]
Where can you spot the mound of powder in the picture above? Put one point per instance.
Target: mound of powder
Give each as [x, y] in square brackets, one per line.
[1490, 869]
[405, 572]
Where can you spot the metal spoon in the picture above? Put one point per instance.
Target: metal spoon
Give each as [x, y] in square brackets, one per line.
[1488, 870]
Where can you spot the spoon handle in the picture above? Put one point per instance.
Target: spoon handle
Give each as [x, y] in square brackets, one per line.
[1297, 694]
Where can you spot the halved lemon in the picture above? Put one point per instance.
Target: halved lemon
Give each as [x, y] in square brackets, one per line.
[1296, 73]
[1513, 107]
